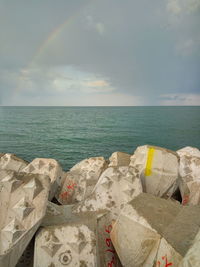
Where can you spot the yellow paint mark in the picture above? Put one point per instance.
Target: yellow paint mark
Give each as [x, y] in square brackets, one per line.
[148, 169]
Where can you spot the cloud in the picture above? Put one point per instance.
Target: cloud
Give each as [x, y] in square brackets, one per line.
[56, 83]
[64, 86]
[97, 86]
[180, 99]
[188, 47]
[193, 5]
[109, 99]
[51, 87]
[97, 83]
[99, 27]
[177, 7]
[64, 56]
[61, 85]
[173, 6]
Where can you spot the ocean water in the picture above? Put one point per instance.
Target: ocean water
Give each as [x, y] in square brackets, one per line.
[70, 134]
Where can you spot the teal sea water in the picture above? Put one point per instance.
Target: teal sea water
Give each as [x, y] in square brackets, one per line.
[70, 134]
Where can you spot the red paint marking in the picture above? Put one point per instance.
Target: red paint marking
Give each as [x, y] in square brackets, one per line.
[109, 229]
[71, 185]
[110, 250]
[67, 193]
[167, 264]
[111, 264]
[64, 195]
[108, 242]
[185, 200]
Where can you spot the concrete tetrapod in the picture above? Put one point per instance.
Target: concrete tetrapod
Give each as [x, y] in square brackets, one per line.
[192, 257]
[77, 234]
[61, 214]
[137, 232]
[157, 168]
[48, 167]
[92, 167]
[189, 170]
[155, 232]
[23, 202]
[71, 244]
[116, 187]
[79, 182]
[179, 236]
[189, 151]
[119, 159]
[1, 155]
[4, 173]
[12, 162]
[106, 253]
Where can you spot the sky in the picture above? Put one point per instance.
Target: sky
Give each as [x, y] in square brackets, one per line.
[99, 52]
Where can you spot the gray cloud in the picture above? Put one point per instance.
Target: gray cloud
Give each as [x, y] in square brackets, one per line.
[142, 49]
[180, 99]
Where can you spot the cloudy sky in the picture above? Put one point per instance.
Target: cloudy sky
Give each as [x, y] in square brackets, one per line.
[99, 52]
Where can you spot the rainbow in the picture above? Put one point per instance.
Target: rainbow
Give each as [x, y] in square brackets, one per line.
[49, 40]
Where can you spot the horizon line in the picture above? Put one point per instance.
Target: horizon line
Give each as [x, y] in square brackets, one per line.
[100, 106]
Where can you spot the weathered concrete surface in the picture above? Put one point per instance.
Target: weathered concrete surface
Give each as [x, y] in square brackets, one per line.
[189, 170]
[189, 151]
[116, 187]
[137, 232]
[119, 159]
[48, 167]
[79, 182]
[12, 162]
[157, 168]
[107, 253]
[23, 202]
[167, 255]
[152, 232]
[192, 258]
[91, 166]
[180, 235]
[60, 214]
[4, 173]
[183, 229]
[72, 189]
[108, 204]
[56, 215]
[68, 244]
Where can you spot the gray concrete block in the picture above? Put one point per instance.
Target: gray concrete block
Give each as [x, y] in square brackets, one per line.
[71, 244]
[80, 181]
[157, 168]
[12, 162]
[23, 200]
[116, 187]
[119, 159]
[48, 167]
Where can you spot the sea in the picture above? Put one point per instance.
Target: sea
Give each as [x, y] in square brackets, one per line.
[71, 134]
